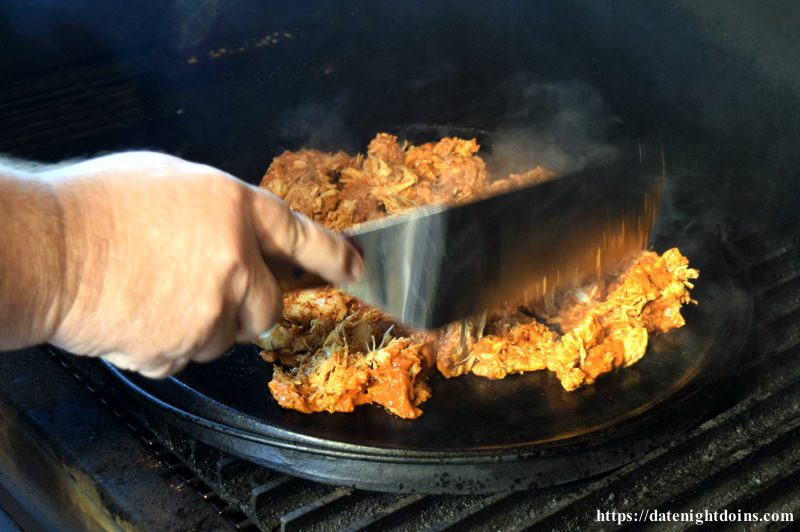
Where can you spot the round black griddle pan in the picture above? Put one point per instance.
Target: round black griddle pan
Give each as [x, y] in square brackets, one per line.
[478, 435]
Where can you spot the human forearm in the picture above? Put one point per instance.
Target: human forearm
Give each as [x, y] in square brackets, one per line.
[32, 259]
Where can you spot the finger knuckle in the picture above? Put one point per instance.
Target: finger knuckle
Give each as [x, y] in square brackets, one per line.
[296, 232]
[232, 258]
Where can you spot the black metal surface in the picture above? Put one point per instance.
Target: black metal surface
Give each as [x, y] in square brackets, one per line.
[71, 463]
[476, 435]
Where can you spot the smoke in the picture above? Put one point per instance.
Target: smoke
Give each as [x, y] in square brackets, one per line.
[195, 20]
[569, 126]
[564, 126]
[321, 124]
[686, 219]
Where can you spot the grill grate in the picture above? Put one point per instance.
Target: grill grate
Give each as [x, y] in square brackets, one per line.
[67, 106]
[746, 458]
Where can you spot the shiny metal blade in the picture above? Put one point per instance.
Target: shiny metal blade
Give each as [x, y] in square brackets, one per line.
[439, 264]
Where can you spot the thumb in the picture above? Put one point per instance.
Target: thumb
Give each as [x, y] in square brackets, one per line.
[262, 304]
[284, 233]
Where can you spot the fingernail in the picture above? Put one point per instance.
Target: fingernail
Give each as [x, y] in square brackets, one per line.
[356, 268]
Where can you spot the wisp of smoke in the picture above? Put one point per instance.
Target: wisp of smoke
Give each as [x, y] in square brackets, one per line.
[196, 19]
[321, 125]
[562, 126]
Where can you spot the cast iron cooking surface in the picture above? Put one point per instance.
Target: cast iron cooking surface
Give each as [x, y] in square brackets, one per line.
[472, 413]
[525, 418]
[480, 430]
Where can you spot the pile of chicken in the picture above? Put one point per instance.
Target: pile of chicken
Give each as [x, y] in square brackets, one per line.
[333, 353]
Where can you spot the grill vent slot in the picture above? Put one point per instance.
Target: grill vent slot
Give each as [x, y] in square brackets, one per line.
[68, 106]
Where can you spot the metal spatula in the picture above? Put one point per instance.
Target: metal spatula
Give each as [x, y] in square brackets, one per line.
[437, 264]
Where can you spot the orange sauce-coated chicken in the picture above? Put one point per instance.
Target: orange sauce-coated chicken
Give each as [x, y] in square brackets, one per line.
[332, 353]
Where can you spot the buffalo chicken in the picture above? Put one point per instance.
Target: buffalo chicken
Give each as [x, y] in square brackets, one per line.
[333, 353]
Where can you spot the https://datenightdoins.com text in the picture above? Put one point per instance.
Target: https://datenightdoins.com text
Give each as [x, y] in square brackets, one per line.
[696, 517]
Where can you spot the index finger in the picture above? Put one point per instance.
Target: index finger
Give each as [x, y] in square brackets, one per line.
[284, 232]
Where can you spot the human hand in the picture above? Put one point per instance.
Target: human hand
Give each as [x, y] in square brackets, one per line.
[168, 260]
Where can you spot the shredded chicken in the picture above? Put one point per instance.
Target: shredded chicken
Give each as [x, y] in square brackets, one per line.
[333, 353]
[604, 332]
[337, 378]
[339, 191]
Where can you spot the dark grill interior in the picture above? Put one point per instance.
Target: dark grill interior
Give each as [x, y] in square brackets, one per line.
[746, 456]
[57, 110]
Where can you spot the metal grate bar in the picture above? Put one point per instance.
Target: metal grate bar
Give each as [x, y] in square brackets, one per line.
[65, 127]
[270, 488]
[300, 518]
[707, 451]
[237, 478]
[774, 274]
[229, 467]
[68, 106]
[382, 516]
[784, 300]
[761, 251]
[754, 474]
[277, 498]
[483, 506]
[47, 104]
[783, 335]
[351, 510]
[782, 497]
[42, 87]
[48, 120]
[561, 506]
